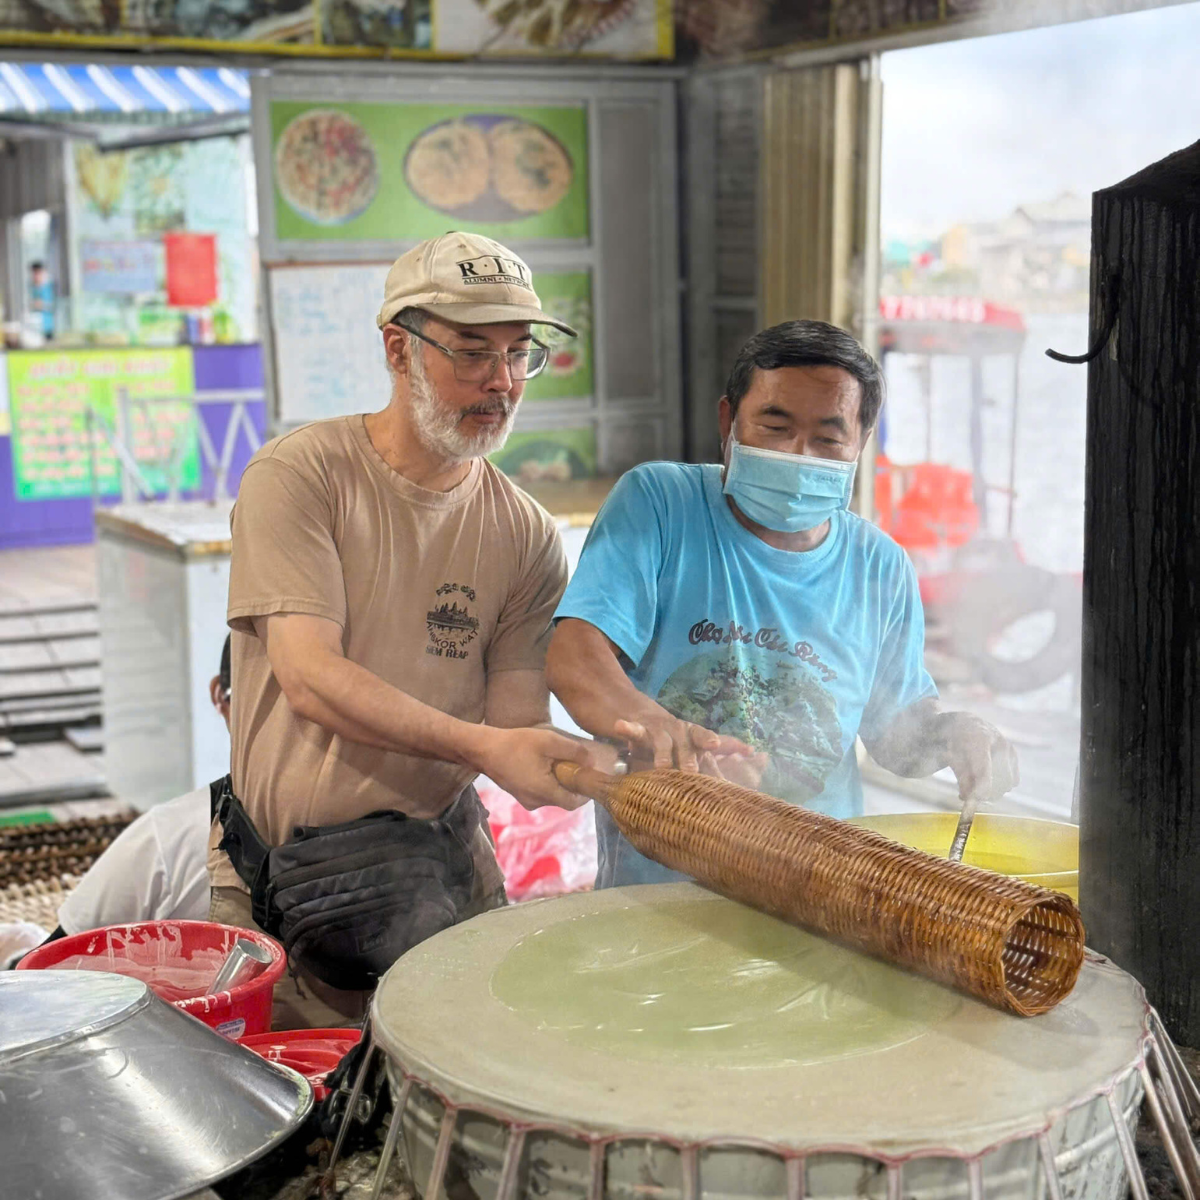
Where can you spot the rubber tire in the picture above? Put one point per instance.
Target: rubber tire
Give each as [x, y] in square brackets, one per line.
[993, 600]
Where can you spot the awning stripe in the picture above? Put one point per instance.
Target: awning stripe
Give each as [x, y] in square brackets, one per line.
[156, 84]
[28, 96]
[200, 88]
[218, 80]
[107, 82]
[130, 80]
[43, 89]
[101, 101]
[235, 81]
[53, 100]
[65, 86]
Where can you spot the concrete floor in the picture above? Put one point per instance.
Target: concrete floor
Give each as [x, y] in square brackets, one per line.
[46, 577]
[43, 593]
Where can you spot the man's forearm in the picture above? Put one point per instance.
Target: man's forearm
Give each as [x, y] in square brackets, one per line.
[583, 671]
[356, 704]
[923, 739]
[915, 745]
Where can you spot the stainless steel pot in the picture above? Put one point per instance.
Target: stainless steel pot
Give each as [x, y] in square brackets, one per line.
[108, 1093]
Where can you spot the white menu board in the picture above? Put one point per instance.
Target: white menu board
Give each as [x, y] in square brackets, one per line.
[328, 351]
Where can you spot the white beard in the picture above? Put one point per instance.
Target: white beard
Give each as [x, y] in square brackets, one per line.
[438, 425]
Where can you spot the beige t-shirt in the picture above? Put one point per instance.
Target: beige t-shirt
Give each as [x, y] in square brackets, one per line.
[435, 592]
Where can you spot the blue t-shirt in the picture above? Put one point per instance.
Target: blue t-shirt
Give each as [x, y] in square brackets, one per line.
[794, 653]
[43, 294]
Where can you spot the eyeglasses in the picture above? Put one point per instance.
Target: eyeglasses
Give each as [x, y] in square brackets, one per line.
[478, 366]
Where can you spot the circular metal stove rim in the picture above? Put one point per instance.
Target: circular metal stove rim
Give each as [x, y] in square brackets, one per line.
[469, 1050]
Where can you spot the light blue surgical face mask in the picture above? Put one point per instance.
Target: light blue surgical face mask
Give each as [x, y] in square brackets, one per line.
[787, 492]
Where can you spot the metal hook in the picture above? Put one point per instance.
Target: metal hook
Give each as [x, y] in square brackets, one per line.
[1108, 297]
[328, 1184]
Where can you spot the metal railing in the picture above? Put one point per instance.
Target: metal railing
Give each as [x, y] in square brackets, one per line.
[134, 484]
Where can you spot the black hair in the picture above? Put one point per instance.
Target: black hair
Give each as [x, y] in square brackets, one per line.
[808, 344]
[37, 266]
[225, 673]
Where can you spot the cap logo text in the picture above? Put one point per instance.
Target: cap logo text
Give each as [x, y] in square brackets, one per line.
[494, 269]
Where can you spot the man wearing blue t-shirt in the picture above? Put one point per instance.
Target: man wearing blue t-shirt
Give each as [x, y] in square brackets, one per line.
[740, 621]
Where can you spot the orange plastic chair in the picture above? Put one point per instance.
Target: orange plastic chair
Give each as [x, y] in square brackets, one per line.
[936, 510]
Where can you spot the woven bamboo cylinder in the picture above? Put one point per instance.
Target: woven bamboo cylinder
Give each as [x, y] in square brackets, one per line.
[1011, 943]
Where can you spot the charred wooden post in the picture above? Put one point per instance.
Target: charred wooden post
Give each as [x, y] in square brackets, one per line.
[1140, 821]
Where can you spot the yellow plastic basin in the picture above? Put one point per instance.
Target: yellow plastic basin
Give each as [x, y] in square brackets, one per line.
[1042, 852]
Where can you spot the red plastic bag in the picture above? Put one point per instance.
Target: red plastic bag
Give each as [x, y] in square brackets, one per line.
[543, 852]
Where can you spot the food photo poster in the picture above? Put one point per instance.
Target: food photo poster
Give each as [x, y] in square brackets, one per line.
[360, 171]
[606, 28]
[540, 456]
[566, 295]
[686, 30]
[626, 29]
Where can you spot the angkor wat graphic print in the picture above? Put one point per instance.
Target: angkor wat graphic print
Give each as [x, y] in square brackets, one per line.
[451, 625]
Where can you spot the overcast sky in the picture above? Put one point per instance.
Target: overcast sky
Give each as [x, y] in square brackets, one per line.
[971, 129]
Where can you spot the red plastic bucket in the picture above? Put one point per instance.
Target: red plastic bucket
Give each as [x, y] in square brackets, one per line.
[178, 960]
[312, 1052]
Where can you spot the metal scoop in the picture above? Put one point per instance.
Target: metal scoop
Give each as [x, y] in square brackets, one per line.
[243, 962]
[959, 844]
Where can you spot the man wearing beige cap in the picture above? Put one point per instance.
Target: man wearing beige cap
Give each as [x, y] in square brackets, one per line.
[390, 598]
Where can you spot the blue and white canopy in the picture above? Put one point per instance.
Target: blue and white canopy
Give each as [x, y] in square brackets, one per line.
[91, 92]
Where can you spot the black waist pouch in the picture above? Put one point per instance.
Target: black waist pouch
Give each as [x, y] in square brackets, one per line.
[348, 900]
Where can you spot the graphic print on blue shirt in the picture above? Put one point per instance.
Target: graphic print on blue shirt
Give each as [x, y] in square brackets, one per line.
[753, 693]
[795, 653]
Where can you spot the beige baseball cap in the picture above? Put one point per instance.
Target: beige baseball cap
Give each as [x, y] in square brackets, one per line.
[465, 278]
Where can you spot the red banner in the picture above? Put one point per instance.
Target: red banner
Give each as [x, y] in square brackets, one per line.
[191, 269]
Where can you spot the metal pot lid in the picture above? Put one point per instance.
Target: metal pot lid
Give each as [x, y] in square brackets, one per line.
[61, 1006]
[121, 1096]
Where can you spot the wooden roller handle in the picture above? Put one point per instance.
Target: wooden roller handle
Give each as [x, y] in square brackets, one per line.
[583, 781]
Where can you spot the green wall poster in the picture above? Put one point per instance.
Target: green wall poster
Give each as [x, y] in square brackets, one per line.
[568, 375]
[50, 391]
[549, 455]
[400, 172]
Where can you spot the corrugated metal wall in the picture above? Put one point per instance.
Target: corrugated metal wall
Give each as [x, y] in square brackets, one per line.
[783, 216]
[31, 177]
[809, 130]
[723, 118]
[820, 222]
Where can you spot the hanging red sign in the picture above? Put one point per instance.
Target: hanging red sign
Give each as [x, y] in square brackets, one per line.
[191, 269]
